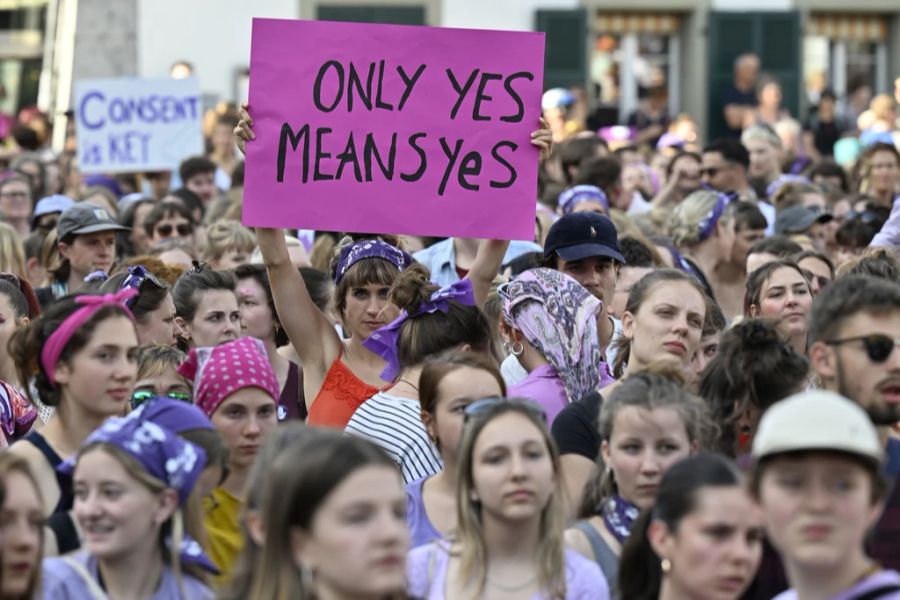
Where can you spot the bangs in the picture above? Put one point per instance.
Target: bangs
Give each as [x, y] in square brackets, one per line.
[370, 271]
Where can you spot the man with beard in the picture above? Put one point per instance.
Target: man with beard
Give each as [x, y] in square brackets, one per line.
[854, 331]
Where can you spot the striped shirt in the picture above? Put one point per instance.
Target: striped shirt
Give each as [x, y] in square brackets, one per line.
[395, 424]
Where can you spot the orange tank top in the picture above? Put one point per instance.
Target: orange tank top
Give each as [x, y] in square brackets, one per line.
[342, 392]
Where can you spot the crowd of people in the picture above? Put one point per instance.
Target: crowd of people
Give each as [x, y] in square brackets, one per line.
[686, 385]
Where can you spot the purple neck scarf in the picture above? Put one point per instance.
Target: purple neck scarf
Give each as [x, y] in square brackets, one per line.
[383, 341]
[373, 248]
[619, 516]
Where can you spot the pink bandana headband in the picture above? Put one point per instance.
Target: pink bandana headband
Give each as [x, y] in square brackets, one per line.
[57, 341]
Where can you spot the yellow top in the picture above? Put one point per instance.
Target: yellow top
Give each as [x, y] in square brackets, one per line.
[223, 529]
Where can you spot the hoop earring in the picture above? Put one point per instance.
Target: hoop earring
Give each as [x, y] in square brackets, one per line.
[666, 565]
[517, 351]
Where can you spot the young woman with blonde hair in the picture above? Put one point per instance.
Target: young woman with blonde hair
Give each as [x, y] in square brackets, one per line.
[510, 516]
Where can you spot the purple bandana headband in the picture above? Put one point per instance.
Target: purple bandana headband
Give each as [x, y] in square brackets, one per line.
[137, 275]
[57, 341]
[708, 224]
[383, 342]
[162, 454]
[572, 197]
[373, 248]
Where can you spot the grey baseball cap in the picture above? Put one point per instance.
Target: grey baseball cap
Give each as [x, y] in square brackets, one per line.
[797, 219]
[82, 217]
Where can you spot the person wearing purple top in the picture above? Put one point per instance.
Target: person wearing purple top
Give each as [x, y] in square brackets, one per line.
[551, 322]
[508, 541]
[817, 479]
[446, 387]
[132, 478]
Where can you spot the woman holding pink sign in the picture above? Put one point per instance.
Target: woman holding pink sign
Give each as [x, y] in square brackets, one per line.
[340, 374]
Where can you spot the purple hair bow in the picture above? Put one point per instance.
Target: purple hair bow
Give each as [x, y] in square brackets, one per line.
[383, 341]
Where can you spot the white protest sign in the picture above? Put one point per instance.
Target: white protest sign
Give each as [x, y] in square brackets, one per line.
[133, 124]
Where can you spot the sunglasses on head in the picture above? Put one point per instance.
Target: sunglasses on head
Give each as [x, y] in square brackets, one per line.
[486, 404]
[184, 229]
[13, 279]
[138, 397]
[878, 346]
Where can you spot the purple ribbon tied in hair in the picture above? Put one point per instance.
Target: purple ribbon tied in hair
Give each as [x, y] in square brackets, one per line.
[136, 276]
[383, 341]
[708, 224]
[373, 248]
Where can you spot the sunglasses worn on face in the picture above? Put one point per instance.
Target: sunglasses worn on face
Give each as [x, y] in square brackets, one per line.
[711, 171]
[485, 404]
[878, 346]
[140, 396]
[184, 230]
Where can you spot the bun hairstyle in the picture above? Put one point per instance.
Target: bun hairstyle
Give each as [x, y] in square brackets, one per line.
[28, 341]
[423, 336]
[687, 220]
[754, 369]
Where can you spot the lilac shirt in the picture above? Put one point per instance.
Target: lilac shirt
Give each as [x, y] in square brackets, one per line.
[426, 573]
[890, 232]
[879, 580]
[545, 387]
[421, 531]
[62, 582]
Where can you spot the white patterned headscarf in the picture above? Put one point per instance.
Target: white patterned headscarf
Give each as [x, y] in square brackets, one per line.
[559, 318]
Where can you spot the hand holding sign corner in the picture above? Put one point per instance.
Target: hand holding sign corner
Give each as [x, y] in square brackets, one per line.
[366, 134]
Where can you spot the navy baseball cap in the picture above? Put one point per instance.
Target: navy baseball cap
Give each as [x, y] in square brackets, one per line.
[581, 235]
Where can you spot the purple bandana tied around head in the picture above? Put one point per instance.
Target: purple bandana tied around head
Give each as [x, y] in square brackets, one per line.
[373, 248]
[574, 196]
[708, 224]
[172, 460]
[559, 318]
[383, 341]
[137, 274]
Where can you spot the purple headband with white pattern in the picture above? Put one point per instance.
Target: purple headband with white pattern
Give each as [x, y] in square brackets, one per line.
[373, 248]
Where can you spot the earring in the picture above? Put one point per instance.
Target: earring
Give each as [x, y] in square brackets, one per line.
[666, 565]
[517, 351]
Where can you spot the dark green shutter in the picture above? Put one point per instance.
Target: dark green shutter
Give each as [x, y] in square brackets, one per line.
[397, 15]
[565, 52]
[774, 37]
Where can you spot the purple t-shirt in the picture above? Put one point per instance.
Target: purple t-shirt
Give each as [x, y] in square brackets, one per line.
[881, 579]
[421, 531]
[426, 573]
[543, 386]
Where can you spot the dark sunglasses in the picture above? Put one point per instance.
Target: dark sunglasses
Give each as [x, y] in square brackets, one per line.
[138, 397]
[184, 230]
[711, 171]
[878, 346]
[486, 404]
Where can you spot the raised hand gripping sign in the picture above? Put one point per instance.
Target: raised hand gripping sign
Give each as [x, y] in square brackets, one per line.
[393, 129]
[133, 124]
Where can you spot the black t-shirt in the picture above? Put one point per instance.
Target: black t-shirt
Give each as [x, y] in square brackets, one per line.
[732, 95]
[575, 428]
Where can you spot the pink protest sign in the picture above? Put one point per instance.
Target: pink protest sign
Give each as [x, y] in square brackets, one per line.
[393, 129]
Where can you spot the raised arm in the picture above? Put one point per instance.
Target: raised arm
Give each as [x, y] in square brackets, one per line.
[315, 340]
[484, 269]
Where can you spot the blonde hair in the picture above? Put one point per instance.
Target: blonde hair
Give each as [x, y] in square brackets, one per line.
[187, 519]
[12, 251]
[224, 235]
[761, 133]
[469, 535]
[686, 221]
